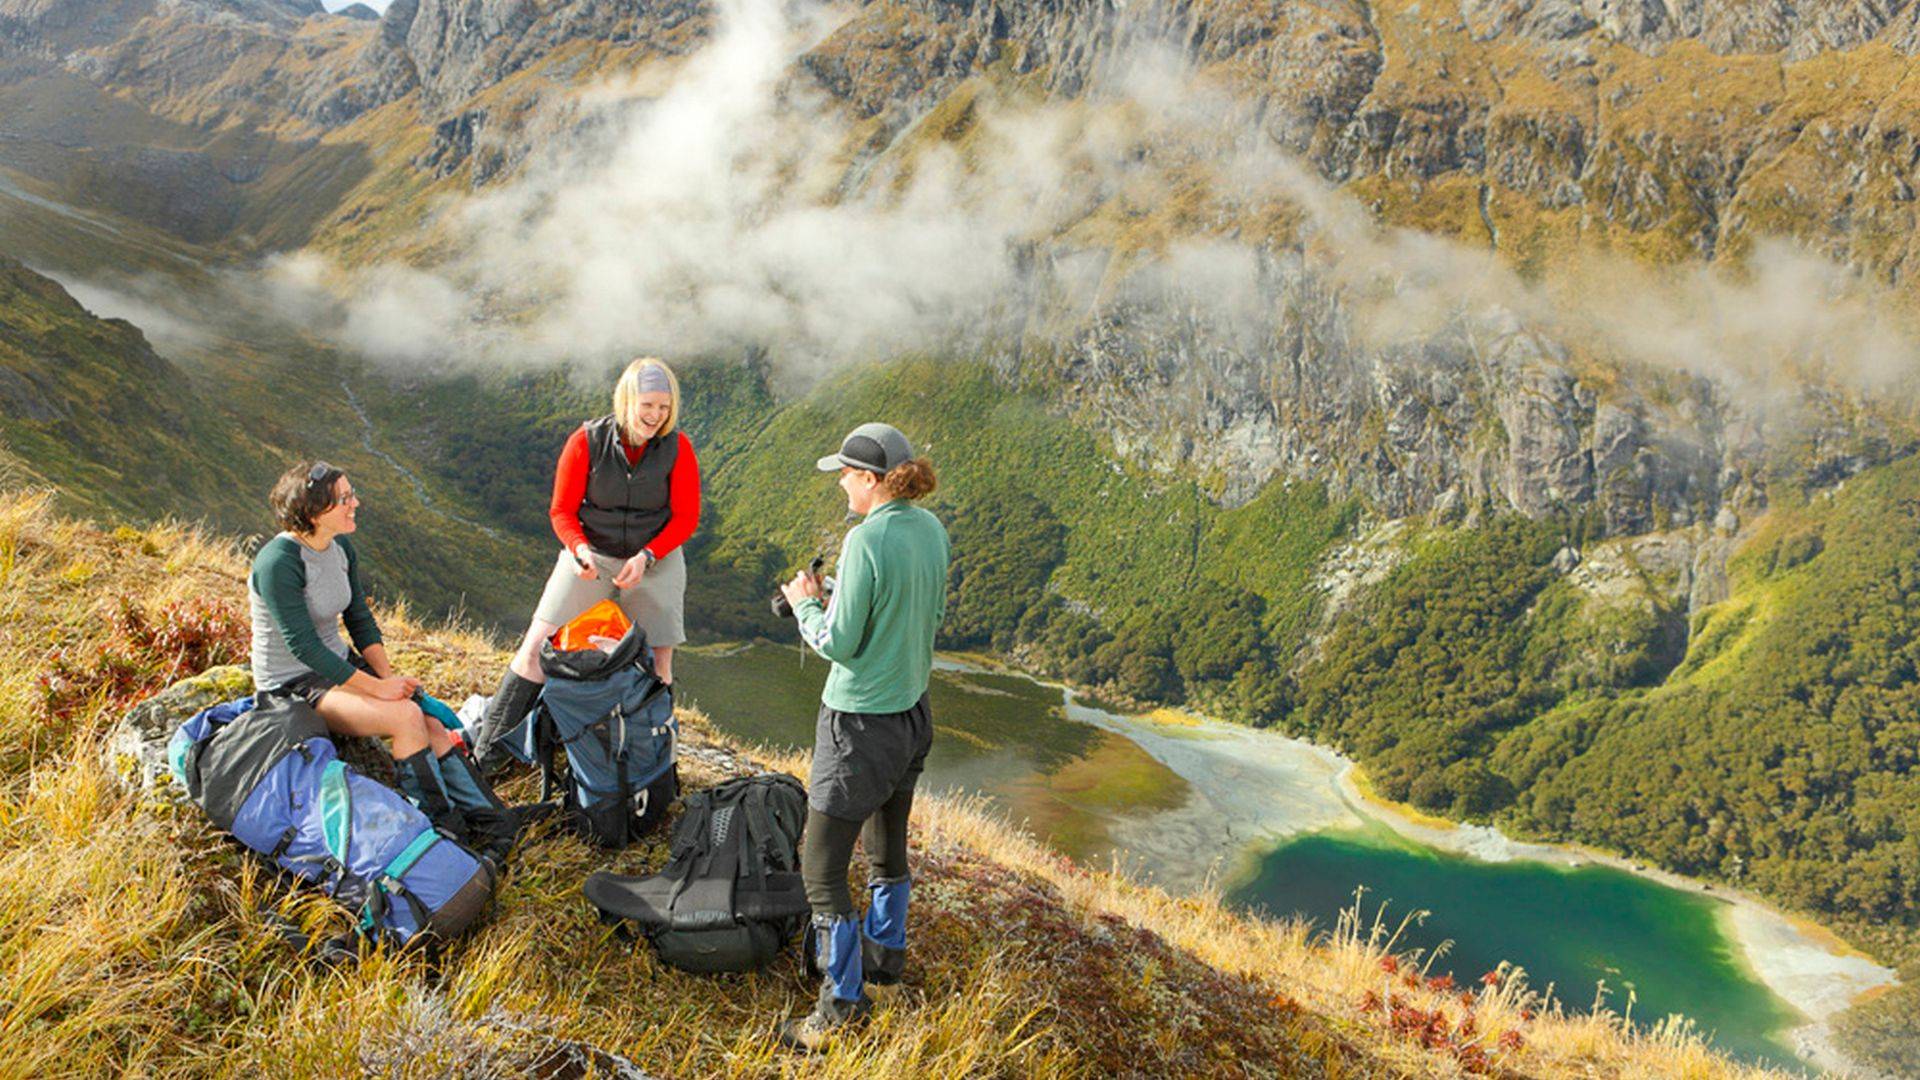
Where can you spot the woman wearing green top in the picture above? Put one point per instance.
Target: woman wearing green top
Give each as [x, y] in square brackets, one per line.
[305, 583]
[874, 727]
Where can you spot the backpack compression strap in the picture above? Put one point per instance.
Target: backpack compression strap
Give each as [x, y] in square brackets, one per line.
[388, 882]
[336, 827]
[759, 827]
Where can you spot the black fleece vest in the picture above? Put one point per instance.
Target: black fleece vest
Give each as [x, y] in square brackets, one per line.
[624, 508]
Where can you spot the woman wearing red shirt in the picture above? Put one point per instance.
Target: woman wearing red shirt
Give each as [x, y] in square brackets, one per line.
[626, 496]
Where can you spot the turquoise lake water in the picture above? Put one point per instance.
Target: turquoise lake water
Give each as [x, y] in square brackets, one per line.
[1575, 928]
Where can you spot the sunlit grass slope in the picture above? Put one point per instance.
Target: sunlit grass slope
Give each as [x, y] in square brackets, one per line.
[133, 938]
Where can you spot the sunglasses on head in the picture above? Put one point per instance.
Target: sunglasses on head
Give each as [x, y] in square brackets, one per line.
[324, 474]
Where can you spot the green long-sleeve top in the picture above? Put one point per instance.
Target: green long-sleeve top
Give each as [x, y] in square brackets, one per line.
[299, 597]
[890, 596]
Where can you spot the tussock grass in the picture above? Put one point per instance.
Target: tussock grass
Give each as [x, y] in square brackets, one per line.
[134, 939]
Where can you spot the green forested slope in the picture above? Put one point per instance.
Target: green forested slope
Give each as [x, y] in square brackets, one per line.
[1779, 753]
[1782, 752]
[1110, 576]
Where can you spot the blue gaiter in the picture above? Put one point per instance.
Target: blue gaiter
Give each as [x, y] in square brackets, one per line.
[886, 921]
[839, 947]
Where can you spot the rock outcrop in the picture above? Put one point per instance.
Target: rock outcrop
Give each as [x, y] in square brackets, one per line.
[1483, 415]
[136, 748]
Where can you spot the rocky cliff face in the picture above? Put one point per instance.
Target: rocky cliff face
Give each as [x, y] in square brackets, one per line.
[1678, 132]
[1485, 415]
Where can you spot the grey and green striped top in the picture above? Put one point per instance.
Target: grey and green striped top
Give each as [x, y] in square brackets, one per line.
[299, 597]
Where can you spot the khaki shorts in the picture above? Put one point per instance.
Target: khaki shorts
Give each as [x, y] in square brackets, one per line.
[656, 605]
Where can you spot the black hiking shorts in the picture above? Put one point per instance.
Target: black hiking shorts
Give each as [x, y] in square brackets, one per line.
[861, 759]
[310, 687]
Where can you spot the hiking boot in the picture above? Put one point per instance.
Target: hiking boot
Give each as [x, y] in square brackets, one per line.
[492, 827]
[492, 833]
[420, 782]
[508, 706]
[815, 1032]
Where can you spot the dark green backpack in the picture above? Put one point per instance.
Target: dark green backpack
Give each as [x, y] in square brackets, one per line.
[730, 896]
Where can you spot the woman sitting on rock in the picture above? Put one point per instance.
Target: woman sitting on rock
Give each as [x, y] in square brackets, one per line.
[305, 583]
[626, 496]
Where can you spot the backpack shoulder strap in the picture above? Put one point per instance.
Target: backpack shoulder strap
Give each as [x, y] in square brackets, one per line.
[704, 896]
[760, 833]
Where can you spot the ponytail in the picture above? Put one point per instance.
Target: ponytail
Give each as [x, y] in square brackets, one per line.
[911, 479]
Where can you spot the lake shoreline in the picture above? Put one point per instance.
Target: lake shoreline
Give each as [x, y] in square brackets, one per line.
[1800, 961]
[1263, 788]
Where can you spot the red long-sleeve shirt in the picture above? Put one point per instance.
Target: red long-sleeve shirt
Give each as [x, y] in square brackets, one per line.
[570, 488]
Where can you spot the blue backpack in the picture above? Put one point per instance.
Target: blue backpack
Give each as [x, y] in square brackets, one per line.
[270, 776]
[615, 720]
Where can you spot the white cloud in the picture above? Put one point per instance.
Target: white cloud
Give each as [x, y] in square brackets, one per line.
[710, 209]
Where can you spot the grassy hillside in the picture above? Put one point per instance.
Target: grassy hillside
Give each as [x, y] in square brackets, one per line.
[97, 411]
[125, 432]
[133, 939]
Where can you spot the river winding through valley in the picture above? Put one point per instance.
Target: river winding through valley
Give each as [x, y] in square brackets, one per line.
[1279, 825]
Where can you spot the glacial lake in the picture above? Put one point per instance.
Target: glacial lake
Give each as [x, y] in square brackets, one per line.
[1185, 805]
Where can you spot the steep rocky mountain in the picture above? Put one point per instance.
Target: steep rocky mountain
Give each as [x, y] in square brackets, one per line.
[1536, 129]
[1673, 133]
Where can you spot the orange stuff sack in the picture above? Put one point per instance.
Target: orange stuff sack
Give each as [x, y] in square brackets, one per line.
[604, 620]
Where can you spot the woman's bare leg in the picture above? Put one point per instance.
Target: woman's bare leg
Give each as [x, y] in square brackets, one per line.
[526, 662]
[348, 713]
[438, 737]
[663, 663]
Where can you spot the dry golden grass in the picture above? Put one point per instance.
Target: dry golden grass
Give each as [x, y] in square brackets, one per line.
[134, 939]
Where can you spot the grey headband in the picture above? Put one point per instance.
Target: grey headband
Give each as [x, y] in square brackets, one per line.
[653, 380]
